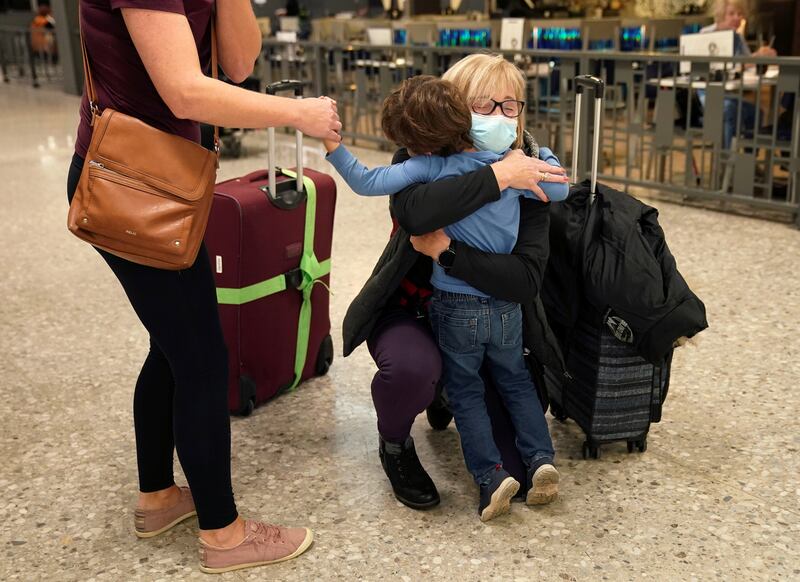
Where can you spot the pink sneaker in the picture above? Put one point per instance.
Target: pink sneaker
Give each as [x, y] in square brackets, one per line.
[152, 522]
[263, 544]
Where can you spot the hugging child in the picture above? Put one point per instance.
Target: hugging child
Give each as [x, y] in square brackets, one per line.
[449, 129]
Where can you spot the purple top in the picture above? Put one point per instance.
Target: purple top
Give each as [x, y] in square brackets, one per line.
[120, 78]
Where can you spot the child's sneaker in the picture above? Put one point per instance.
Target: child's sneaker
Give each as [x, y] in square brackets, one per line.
[496, 495]
[543, 478]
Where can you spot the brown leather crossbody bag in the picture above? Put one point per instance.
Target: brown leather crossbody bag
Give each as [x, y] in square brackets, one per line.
[144, 194]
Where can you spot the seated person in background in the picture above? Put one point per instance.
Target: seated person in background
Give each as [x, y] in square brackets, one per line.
[431, 118]
[728, 15]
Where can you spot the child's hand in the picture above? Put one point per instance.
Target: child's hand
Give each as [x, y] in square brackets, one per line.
[330, 145]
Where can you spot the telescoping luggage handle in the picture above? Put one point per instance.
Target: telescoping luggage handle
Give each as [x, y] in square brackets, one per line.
[284, 196]
[598, 86]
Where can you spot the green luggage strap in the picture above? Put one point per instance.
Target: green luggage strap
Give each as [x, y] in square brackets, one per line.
[303, 279]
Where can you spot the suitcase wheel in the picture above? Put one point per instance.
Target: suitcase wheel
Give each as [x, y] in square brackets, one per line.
[557, 412]
[247, 409]
[591, 450]
[247, 394]
[324, 357]
[640, 444]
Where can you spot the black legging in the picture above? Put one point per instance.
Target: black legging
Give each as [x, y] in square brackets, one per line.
[180, 400]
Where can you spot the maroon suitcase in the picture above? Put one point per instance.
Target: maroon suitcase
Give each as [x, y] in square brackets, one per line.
[268, 270]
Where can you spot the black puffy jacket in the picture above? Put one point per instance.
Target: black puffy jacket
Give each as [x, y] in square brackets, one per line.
[613, 255]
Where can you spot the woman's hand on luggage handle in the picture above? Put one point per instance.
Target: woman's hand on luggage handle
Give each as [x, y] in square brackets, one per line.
[432, 244]
[516, 170]
[319, 117]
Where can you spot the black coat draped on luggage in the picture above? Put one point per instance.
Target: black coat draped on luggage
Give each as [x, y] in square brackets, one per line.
[613, 255]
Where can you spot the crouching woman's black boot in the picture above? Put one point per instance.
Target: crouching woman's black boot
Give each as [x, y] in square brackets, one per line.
[411, 483]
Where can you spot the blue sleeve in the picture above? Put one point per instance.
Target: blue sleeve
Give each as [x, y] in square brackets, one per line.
[556, 192]
[378, 181]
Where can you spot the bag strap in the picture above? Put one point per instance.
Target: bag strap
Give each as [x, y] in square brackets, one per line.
[312, 270]
[87, 72]
[214, 71]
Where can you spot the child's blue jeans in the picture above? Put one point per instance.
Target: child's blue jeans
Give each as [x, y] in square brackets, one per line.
[468, 330]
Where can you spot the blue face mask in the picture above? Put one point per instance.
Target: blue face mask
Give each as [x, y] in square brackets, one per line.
[493, 133]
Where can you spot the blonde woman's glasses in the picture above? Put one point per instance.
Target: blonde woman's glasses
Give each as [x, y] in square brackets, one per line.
[510, 107]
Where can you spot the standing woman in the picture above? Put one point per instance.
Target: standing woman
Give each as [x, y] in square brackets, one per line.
[147, 59]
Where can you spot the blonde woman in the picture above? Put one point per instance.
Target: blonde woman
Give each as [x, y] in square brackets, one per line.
[730, 15]
[486, 263]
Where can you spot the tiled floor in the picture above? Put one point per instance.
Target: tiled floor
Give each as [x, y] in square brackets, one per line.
[717, 495]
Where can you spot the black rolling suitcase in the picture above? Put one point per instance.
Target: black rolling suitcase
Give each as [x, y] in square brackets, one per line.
[610, 391]
[613, 394]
